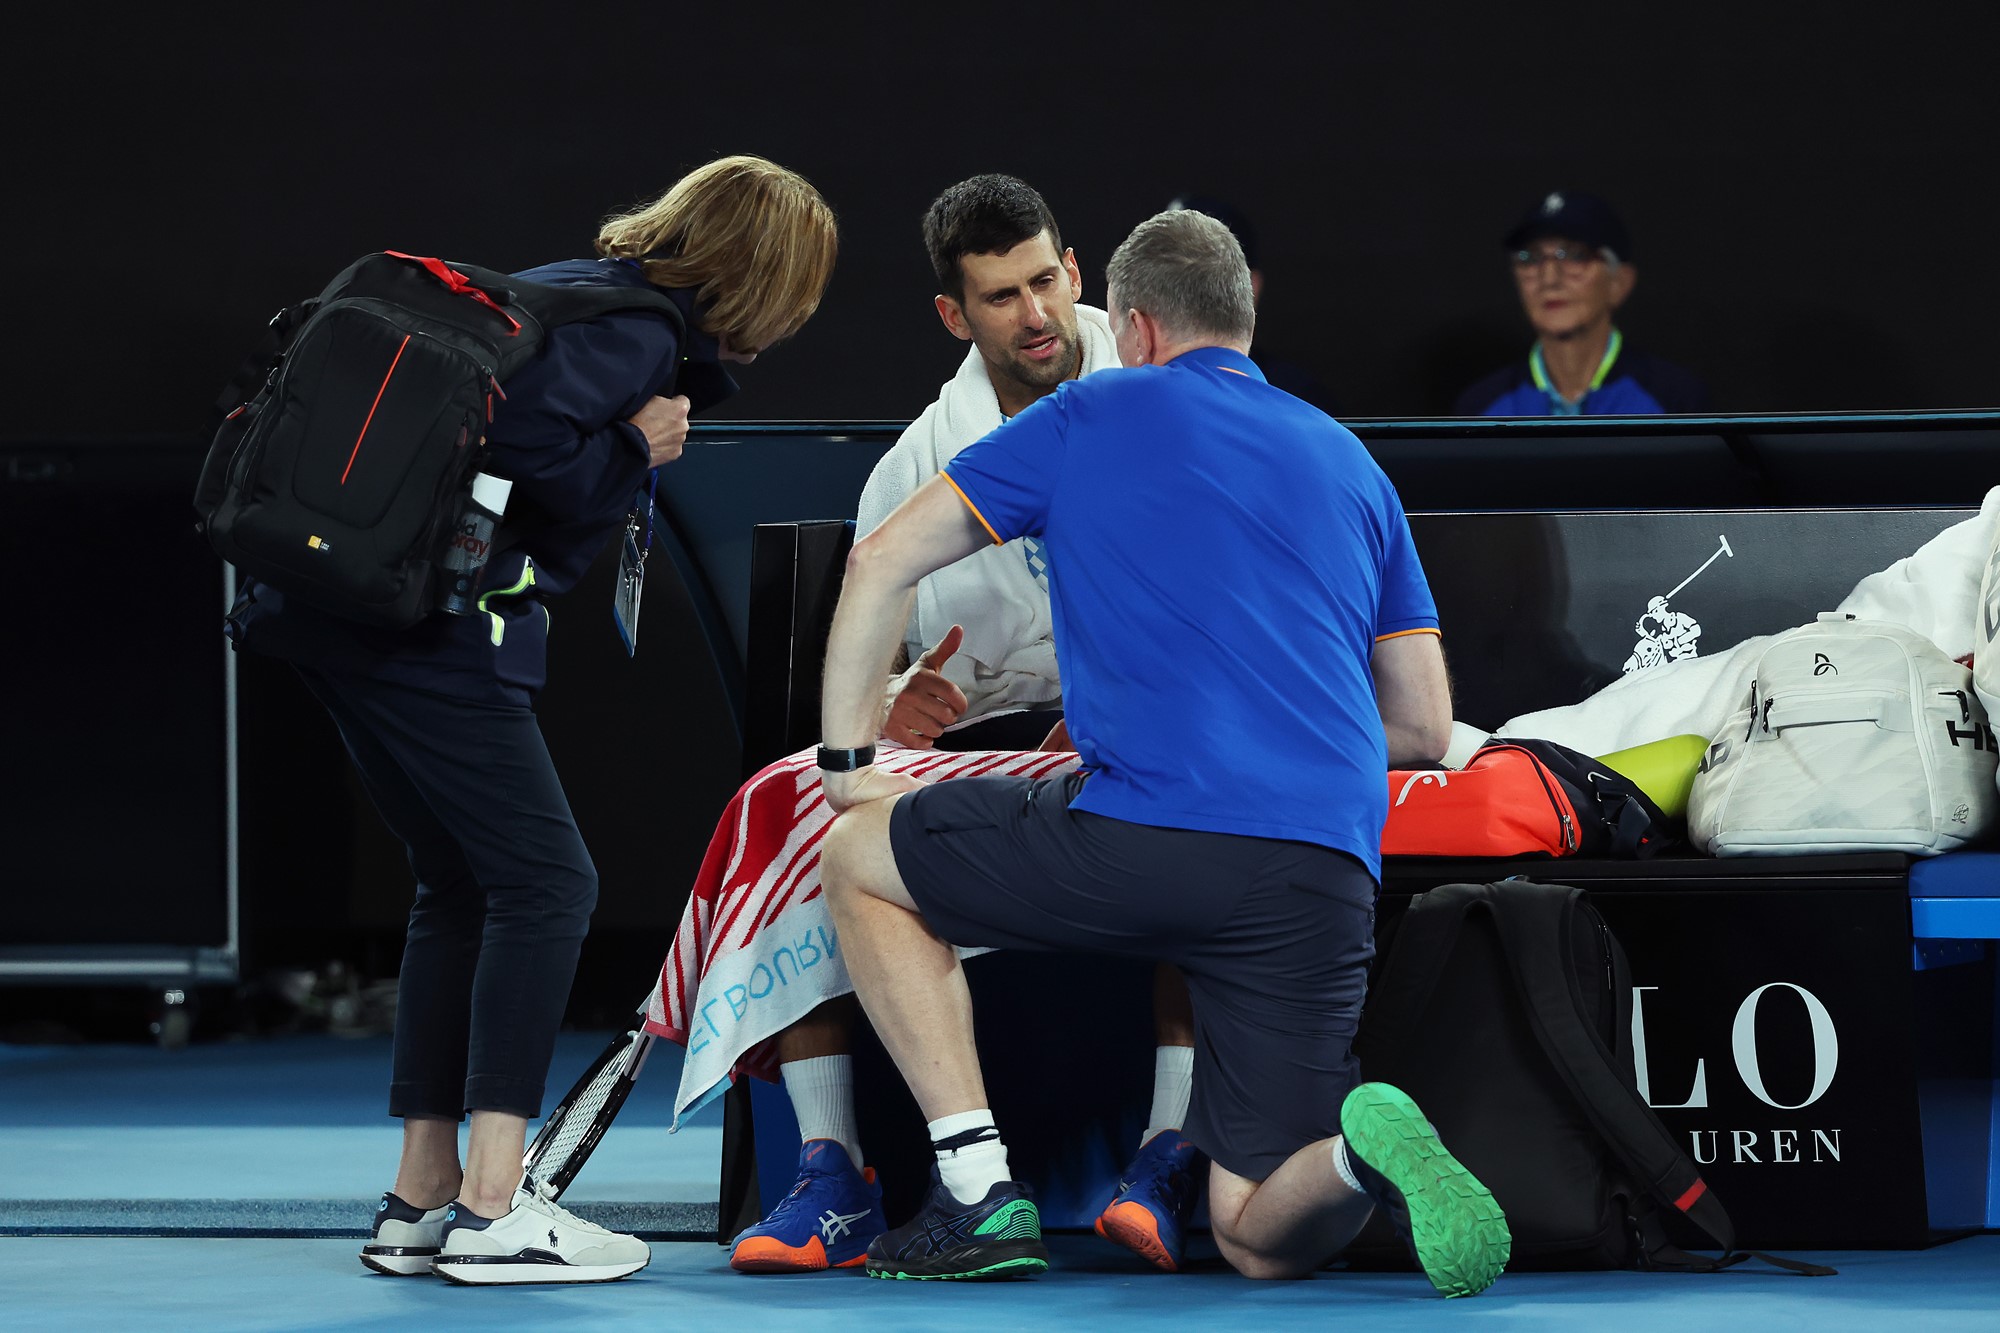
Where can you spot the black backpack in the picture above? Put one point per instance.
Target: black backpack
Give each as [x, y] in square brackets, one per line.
[1505, 1011]
[342, 470]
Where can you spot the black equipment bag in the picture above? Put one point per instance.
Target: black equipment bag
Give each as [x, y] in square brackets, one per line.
[1505, 1011]
[349, 448]
[1614, 817]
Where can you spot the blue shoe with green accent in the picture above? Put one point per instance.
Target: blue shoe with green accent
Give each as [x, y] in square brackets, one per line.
[1451, 1222]
[999, 1236]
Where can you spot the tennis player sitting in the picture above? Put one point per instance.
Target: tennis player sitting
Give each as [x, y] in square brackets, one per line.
[1232, 559]
[977, 671]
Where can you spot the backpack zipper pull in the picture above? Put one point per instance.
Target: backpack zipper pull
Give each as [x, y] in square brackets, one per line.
[1569, 831]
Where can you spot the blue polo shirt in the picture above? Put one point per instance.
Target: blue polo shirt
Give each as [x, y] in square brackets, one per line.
[1628, 383]
[1222, 560]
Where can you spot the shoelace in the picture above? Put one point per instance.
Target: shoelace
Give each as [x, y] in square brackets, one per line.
[1169, 1174]
[791, 1200]
[544, 1204]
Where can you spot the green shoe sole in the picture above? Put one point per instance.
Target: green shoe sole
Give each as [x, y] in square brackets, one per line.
[1006, 1268]
[1459, 1232]
[989, 1259]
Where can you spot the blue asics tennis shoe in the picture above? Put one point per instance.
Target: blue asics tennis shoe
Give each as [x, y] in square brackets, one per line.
[998, 1236]
[1150, 1213]
[825, 1222]
[1451, 1222]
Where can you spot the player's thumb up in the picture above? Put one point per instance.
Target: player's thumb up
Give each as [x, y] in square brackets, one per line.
[940, 652]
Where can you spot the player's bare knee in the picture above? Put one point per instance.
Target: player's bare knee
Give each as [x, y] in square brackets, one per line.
[1255, 1264]
[840, 853]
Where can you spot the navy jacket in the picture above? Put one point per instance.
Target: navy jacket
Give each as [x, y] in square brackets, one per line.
[577, 464]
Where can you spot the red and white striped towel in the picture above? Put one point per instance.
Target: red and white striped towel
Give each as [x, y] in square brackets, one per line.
[756, 949]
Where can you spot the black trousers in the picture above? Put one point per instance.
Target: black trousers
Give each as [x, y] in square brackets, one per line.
[505, 889]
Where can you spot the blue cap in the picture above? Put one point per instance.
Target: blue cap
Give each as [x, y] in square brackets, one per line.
[1574, 216]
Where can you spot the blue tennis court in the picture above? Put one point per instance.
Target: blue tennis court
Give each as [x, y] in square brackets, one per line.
[226, 1187]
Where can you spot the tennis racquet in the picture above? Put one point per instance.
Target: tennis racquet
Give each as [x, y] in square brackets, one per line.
[573, 1129]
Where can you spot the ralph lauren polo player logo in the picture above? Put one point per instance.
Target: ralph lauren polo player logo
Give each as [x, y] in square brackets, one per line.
[1664, 634]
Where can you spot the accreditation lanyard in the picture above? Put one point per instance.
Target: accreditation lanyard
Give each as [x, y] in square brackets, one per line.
[632, 568]
[1564, 407]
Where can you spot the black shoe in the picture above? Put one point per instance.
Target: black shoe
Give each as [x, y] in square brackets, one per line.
[1000, 1236]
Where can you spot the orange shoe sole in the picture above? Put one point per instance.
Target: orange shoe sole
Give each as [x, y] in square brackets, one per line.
[762, 1254]
[1130, 1225]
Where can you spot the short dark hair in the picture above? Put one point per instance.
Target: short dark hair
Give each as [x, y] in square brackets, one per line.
[987, 215]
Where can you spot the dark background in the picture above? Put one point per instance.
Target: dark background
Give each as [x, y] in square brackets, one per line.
[1807, 186]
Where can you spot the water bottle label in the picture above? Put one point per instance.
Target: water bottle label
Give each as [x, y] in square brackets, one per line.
[471, 543]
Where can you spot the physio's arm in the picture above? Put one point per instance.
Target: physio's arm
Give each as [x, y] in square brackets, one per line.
[1413, 693]
[927, 532]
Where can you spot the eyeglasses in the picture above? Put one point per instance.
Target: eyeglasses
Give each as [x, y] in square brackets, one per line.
[1571, 263]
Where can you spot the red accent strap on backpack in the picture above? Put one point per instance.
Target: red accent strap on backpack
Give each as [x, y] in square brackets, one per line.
[459, 283]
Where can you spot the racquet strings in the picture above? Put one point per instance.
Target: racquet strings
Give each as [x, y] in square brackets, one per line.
[548, 1160]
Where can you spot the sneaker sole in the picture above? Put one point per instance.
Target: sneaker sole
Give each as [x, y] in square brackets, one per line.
[1021, 1258]
[1134, 1227]
[765, 1254]
[1459, 1232]
[497, 1270]
[406, 1261]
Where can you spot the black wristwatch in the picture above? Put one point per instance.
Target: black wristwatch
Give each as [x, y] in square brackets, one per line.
[846, 761]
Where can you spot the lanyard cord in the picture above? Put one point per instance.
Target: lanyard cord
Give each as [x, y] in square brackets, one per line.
[1539, 369]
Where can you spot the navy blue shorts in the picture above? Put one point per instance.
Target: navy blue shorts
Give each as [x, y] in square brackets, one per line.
[1274, 938]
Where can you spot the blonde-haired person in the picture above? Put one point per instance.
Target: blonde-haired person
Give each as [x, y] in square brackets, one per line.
[438, 718]
[753, 242]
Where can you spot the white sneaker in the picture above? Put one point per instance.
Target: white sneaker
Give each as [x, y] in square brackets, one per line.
[405, 1238]
[537, 1241]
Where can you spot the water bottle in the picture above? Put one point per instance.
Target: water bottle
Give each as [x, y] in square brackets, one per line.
[472, 542]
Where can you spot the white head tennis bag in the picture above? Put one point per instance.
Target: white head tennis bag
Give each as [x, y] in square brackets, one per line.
[1859, 736]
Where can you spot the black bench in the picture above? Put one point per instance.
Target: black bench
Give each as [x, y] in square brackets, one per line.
[1791, 1016]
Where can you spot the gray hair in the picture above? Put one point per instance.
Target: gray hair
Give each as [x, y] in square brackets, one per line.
[1186, 270]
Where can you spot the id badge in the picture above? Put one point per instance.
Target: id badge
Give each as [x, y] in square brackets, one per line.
[631, 582]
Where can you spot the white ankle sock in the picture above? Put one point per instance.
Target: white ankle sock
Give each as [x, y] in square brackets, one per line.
[1343, 1166]
[976, 1167]
[822, 1093]
[1173, 1082]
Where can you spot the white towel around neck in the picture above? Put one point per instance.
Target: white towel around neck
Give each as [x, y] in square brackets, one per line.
[1008, 659]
